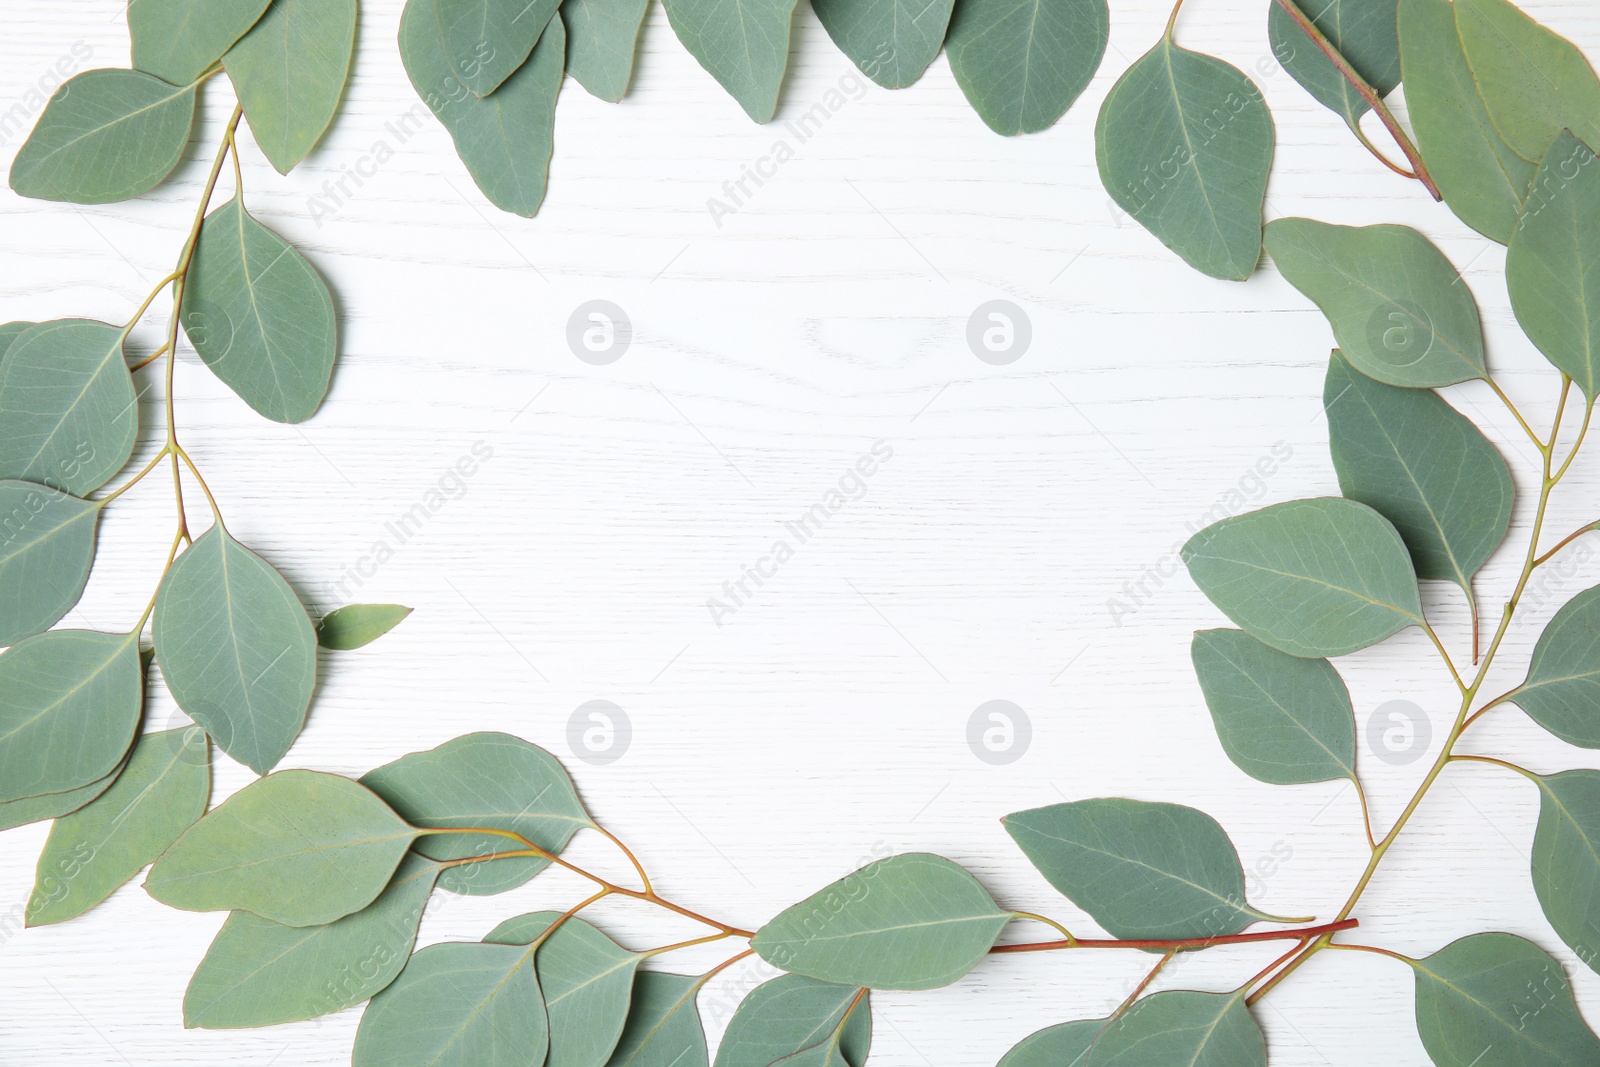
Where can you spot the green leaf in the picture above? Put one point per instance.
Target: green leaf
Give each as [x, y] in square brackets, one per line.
[67, 405]
[1562, 689]
[14, 813]
[489, 780]
[1366, 34]
[9, 332]
[261, 973]
[663, 1027]
[485, 41]
[504, 139]
[1482, 179]
[358, 625]
[602, 36]
[1021, 63]
[106, 135]
[1419, 463]
[1496, 1000]
[792, 1013]
[237, 649]
[916, 921]
[161, 793]
[298, 847]
[1065, 1045]
[1566, 859]
[890, 41]
[1141, 870]
[744, 44]
[587, 980]
[1281, 719]
[1179, 1026]
[69, 707]
[457, 1005]
[1553, 264]
[1400, 312]
[290, 71]
[177, 40]
[260, 316]
[1533, 82]
[46, 549]
[1184, 143]
[1312, 578]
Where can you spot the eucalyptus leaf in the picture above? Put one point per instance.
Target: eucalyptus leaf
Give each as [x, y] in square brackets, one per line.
[237, 649]
[1282, 719]
[1566, 859]
[1184, 142]
[261, 973]
[106, 135]
[488, 780]
[1482, 179]
[46, 550]
[506, 138]
[1312, 578]
[792, 1013]
[915, 921]
[744, 44]
[485, 41]
[457, 1005]
[1021, 63]
[160, 795]
[176, 40]
[825, 1053]
[14, 813]
[69, 416]
[69, 707]
[1422, 465]
[1180, 1026]
[9, 332]
[1400, 312]
[1497, 1000]
[602, 36]
[290, 71]
[301, 848]
[358, 625]
[663, 1028]
[1063, 1045]
[1562, 690]
[260, 316]
[890, 41]
[1366, 34]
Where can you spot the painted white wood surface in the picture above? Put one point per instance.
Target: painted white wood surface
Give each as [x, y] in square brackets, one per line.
[824, 722]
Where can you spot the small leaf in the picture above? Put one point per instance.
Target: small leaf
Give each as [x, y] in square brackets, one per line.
[1281, 718]
[1554, 259]
[237, 649]
[1566, 859]
[358, 625]
[177, 40]
[161, 793]
[298, 847]
[261, 973]
[46, 549]
[14, 813]
[1184, 143]
[260, 316]
[792, 1013]
[67, 405]
[1311, 578]
[744, 44]
[1496, 1000]
[1141, 870]
[457, 1005]
[1365, 34]
[290, 71]
[1562, 689]
[69, 706]
[663, 1027]
[488, 780]
[890, 41]
[1065, 1045]
[504, 139]
[1400, 312]
[1419, 463]
[1482, 179]
[485, 41]
[1021, 63]
[916, 921]
[602, 36]
[1179, 1026]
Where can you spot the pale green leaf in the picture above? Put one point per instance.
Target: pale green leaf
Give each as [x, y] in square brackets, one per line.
[890, 41]
[14, 813]
[358, 625]
[290, 71]
[46, 549]
[1064, 1045]
[602, 36]
[1566, 859]
[9, 332]
[792, 1013]
[237, 649]
[915, 921]
[1182, 1027]
[1562, 690]
[176, 40]
[663, 1028]
[1021, 63]
[485, 41]
[1365, 33]
[298, 847]
[744, 44]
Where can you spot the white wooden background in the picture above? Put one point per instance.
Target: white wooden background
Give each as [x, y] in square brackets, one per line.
[825, 722]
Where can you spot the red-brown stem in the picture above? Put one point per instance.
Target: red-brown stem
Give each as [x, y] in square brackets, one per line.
[1145, 984]
[1302, 935]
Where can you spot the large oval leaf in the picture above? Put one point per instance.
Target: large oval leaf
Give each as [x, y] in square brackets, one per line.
[46, 550]
[1496, 1000]
[106, 135]
[261, 973]
[891, 41]
[1182, 1027]
[1562, 690]
[602, 36]
[1021, 63]
[1364, 32]
[916, 921]
[298, 847]
[744, 44]
[69, 413]
[792, 1013]
[663, 1027]
[1064, 1045]
[290, 71]
[176, 40]
[485, 41]
[236, 648]
[1184, 143]
[1566, 859]
[69, 707]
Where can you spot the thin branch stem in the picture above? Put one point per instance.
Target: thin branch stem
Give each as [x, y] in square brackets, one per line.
[1186, 943]
[1496, 702]
[151, 299]
[1062, 930]
[1538, 442]
[626, 851]
[215, 510]
[1269, 968]
[1444, 654]
[1142, 986]
[1377, 153]
[1564, 542]
[1504, 764]
[135, 480]
[151, 358]
[1376, 951]
[1172, 19]
[1366, 812]
[708, 939]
